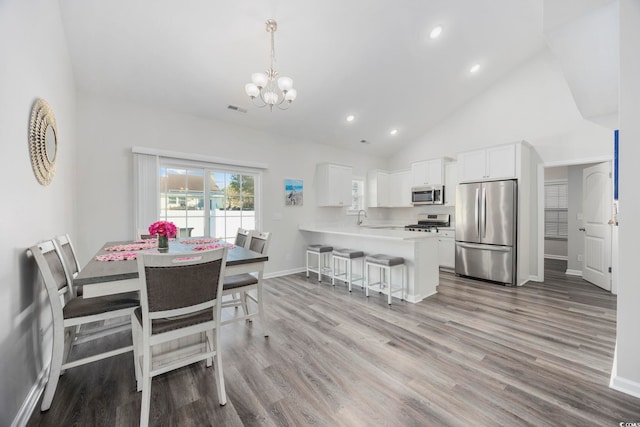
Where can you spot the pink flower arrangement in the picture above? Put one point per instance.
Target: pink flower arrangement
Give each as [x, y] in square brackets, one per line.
[163, 228]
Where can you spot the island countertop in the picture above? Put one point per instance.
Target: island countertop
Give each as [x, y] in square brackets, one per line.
[368, 231]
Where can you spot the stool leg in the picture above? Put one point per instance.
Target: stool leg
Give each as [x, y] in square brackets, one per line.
[307, 264]
[320, 258]
[390, 286]
[403, 275]
[349, 273]
[333, 271]
[366, 280]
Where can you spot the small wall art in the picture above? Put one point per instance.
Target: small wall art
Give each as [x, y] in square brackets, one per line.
[293, 192]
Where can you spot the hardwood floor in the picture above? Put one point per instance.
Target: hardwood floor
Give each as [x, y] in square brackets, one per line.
[474, 354]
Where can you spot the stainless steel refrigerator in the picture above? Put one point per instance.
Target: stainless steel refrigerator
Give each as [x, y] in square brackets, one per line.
[486, 224]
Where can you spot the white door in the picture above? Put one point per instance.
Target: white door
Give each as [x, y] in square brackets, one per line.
[596, 208]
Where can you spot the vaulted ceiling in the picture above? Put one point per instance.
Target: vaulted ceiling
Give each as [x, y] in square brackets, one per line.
[370, 58]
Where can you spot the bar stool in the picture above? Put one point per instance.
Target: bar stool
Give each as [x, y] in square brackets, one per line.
[323, 253]
[347, 256]
[386, 265]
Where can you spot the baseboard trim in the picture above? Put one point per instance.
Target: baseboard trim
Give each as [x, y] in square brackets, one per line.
[559, 257]
[31, 401]
[625, 386]
[573, 272]
[285, 272]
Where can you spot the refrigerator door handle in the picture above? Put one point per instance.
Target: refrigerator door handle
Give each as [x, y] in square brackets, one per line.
[484, 247]
[476, 210]
[484, 212]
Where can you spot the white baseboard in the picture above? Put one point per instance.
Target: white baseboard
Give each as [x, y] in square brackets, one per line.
[30, 402]
[573, 272]
[626, 386]
[285, 272]
[560, 257]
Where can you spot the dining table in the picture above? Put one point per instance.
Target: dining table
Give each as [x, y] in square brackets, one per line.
[101, 278]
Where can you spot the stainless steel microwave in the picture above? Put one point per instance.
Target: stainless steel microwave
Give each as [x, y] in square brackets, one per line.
[427, 195]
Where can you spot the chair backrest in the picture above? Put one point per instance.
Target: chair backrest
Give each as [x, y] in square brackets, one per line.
[259, 242]
[243, 237]
[143, 234]
[56, 278]
[68, 254]
[180, 284]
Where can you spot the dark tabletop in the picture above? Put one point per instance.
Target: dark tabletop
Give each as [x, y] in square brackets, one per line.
[107, 271]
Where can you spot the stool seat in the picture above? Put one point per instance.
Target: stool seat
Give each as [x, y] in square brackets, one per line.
[387, 260]
[320, 248]
[348, 253]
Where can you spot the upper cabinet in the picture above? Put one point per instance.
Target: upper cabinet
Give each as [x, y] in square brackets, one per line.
[427, 172]
[378, 189]
[333, 184]
[488, 163]
[400, 189]
[450, 182]
[388, 189]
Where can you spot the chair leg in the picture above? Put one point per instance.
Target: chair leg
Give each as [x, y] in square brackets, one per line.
[210, 338]
[263, 320]
[245, 307]
[222, 394]
[136, 337]
[70, 336]
[55, 367]
[145, 405]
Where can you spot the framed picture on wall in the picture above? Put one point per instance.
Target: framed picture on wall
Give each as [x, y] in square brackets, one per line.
[293, 192]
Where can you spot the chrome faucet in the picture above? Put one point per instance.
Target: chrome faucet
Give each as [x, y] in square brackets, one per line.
[365, 215]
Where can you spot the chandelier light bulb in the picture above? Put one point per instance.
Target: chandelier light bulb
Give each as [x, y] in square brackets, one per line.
[252, 90]
[266, 88]
[351, 118]
[291, 95]
[435, 33]
[259, 79]
[285, 83]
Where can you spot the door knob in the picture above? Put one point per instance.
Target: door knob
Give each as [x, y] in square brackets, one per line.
[582, 229]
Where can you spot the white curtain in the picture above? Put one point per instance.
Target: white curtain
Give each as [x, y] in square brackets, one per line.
[146, 203]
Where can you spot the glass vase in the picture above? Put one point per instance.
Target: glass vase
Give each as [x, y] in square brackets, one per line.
[163, 243]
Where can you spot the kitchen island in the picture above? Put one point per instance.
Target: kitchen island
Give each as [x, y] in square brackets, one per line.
[419, 250]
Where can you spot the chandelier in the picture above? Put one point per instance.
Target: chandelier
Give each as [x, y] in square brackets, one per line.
[267, 88]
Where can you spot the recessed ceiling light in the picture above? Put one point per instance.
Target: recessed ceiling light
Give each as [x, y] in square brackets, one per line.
[351, 118]
[393, 131]
[435, 33]
[474, 68]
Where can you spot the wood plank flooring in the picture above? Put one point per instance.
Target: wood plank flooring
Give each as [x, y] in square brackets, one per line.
[474, 354]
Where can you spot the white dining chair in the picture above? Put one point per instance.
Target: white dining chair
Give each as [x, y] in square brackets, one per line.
[180, 297]
[69, 312]
[240, 286]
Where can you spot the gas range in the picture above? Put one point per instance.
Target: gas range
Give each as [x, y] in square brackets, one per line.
[429, 222]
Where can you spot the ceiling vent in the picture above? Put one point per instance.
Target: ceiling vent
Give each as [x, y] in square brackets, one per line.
[236, 108]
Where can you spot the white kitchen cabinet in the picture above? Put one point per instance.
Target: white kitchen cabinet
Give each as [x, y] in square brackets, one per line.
[427, 172]
[400, 189]
[447, 249]
[450, 182]
[497, 162]
[333, 184]
[378, 189]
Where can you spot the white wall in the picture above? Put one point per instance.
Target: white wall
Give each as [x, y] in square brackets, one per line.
[108, 130]
[34, 64]
[626, 374]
